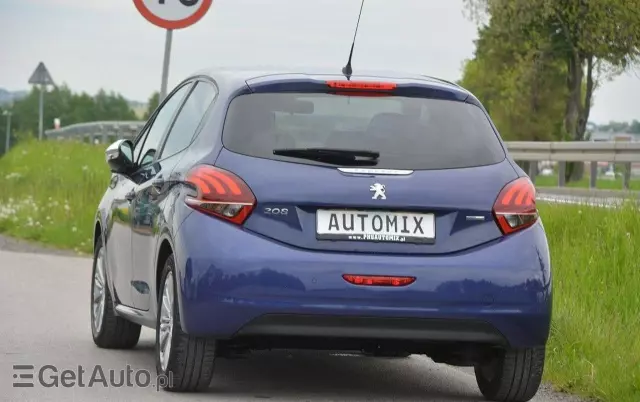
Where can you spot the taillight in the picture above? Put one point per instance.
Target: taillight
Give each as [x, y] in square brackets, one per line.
[376, 280]
[220, 193]
[515, 208]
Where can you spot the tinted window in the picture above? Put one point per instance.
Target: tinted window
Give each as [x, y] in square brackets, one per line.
[189, 118]
[146, 149]
[409, 133]
[139, 143]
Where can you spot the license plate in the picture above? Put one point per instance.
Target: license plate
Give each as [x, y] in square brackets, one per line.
[375, 226]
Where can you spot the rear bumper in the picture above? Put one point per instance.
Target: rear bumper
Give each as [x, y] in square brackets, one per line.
[233, 282]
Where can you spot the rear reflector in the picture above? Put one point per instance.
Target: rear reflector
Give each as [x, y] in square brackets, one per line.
[362, 85]
[515, 208]
[374, 280]
[220, 193]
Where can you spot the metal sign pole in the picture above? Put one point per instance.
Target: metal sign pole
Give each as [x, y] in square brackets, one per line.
[165, 65]
[179, 15]
[41, 122]
[41, 78]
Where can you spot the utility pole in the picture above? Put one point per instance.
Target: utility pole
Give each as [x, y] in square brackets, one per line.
[7, 141]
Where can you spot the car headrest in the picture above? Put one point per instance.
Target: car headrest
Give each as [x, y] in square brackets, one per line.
[247, 125]
[384, 123]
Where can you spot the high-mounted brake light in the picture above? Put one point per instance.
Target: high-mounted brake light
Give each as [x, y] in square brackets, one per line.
[220, 193]
[362, 85]
[515, 208]
[375, 280]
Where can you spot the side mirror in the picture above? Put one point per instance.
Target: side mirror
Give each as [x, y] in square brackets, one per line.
[120, 156]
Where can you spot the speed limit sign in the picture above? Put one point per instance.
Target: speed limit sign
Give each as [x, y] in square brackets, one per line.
[173, 14]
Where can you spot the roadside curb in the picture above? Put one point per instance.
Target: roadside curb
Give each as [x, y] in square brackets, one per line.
[8, 243]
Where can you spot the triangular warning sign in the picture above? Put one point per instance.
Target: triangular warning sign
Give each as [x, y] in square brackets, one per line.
[41, 76]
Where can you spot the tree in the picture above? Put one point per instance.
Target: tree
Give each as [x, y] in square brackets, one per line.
[621, 127]
[112, 106]
[152, 105]
[69, 107]
[595, 40]
[523, 91]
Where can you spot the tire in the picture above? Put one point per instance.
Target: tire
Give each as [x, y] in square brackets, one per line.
[189, 362]
[109, 331]
[514, 375]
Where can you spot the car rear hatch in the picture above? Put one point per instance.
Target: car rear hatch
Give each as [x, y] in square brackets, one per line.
[363, 166]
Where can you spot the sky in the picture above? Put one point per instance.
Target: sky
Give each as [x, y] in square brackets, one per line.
[93, 44]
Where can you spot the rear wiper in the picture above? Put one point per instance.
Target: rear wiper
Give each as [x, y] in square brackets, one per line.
[332, 156]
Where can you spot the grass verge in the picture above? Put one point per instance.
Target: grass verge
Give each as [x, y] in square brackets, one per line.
[601, 183]
[594, 348]
[49, 193]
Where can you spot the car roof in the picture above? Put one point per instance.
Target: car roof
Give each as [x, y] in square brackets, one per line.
[237, 76]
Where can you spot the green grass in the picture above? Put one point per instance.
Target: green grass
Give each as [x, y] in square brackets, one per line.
[595, 344]
[601, 183]
[49, 193]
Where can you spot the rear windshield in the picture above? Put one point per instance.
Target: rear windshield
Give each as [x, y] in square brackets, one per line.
[409, 133]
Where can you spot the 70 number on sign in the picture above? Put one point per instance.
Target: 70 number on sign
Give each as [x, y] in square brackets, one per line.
[186, 3]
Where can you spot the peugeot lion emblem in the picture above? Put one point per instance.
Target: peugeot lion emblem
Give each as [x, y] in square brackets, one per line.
[378, 191]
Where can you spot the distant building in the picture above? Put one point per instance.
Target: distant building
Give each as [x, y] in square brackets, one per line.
[613, 136]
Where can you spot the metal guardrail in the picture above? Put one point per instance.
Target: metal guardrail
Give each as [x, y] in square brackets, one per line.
[575, 151]
[100, 131]
[527, 151]
[624, 153]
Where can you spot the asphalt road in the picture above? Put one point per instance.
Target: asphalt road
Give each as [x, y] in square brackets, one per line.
[584, 196]
[44, 320]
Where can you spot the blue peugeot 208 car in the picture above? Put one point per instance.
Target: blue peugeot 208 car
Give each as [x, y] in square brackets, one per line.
[379, 213]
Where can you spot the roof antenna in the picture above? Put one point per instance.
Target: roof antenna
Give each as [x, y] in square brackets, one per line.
[347, 70]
